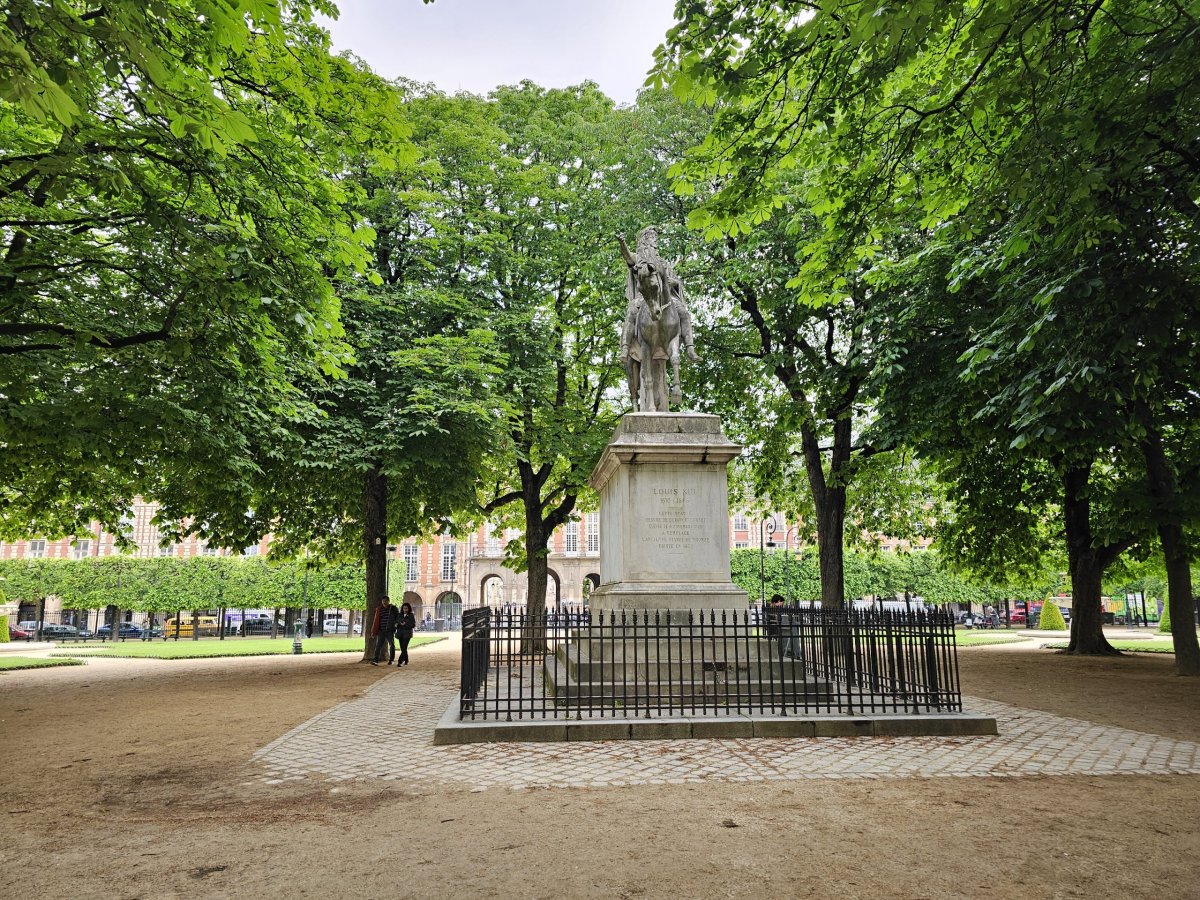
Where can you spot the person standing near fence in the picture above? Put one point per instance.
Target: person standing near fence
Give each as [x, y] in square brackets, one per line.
[384, 629]
[406, 623]
[773, 615]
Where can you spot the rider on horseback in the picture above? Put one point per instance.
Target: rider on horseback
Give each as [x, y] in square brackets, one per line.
[647, 254]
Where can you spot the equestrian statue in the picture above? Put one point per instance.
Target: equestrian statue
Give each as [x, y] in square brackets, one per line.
[657, 322]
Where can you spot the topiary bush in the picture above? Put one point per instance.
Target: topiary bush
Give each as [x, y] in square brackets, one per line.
[1052, 618]
[3, 629]
[1164, 622]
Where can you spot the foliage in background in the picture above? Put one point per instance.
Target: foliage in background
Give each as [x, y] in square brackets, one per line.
[886, 575]
[164, 584]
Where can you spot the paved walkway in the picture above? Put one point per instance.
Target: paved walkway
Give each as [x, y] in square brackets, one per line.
[390, 730]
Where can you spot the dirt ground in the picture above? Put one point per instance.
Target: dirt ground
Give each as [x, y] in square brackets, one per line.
[133, 779]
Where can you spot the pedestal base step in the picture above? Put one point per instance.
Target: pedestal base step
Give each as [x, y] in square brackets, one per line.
[453, 730]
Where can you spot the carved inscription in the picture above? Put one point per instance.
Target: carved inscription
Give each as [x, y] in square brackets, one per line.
[678, 523]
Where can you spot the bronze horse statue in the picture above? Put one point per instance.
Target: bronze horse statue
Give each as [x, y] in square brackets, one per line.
[655, 337]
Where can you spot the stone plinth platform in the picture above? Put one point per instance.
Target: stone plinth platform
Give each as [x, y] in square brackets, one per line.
[451, 730]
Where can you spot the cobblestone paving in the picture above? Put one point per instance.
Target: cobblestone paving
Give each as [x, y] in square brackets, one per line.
[390, 729]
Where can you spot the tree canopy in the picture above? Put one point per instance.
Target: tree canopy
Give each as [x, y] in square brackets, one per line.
[1020, 171]
[173, 213]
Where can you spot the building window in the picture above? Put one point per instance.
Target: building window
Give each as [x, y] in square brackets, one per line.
[739, 522]
[210, 551]
[492, 538]
[593, 532]
[411, 565]
[740, 545]
[450, 561]
[35, 549]
[571, 538]
[251, 551]
[80, 550]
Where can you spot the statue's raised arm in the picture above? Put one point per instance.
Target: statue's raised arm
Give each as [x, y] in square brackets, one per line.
[630, 259]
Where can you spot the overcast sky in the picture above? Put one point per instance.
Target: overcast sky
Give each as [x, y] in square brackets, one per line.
[475, 45]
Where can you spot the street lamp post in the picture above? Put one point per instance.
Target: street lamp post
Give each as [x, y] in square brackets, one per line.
[766, 529]
[787, 571]
[454, 587]
[470, 556]
[304, 613]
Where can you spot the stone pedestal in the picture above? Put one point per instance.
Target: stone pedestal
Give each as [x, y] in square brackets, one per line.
[664, 516]
[664, 570]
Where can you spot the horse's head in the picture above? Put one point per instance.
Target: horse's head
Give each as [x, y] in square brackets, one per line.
[650, 286]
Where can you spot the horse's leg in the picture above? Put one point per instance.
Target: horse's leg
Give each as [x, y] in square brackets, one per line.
[676, 389]
[660, 385]
[645, 396]
[633, 375]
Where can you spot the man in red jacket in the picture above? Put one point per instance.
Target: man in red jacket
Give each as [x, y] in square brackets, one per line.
[384, 629]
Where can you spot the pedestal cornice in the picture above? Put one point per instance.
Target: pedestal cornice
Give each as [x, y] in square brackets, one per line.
[664, 438]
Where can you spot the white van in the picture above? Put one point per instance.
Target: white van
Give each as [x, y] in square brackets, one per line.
[339, 625]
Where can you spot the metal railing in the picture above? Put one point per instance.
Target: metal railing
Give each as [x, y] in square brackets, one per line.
[656, 664]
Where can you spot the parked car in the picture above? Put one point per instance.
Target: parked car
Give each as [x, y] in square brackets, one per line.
[28, 625]
[20, 634]
[127, 630]
[1016, 616]
[341, 626]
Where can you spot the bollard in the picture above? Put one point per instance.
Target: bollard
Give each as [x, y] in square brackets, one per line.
[297, 647]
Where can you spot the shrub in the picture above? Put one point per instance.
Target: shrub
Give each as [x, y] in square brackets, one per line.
[3, 629]
[1164, 623]
[1052, 618]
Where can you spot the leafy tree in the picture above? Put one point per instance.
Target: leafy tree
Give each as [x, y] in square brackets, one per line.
[1049, 141]
[173, 212]
[555, 305]
[394, 446]
[792, 379]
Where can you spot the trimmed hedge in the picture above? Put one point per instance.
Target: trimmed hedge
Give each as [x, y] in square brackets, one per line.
[3, 629]
[1164, 622]
[1052, 618]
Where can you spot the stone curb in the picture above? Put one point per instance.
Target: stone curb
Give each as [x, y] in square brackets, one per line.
[450, 730]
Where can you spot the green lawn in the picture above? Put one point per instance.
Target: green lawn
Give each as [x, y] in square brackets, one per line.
[28, 662]
[210, 648]
[1138, 646]
[982, 640]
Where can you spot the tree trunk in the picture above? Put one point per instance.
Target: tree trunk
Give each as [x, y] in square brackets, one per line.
[536, 548]
[1087, 565]
[831, 523]
[829, 498]
[375, 541]
[1163, 489]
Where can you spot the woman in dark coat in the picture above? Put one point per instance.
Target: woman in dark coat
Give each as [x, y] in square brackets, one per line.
[405, 625]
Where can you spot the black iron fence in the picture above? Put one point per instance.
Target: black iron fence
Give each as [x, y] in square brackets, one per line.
[653, 664]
